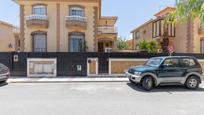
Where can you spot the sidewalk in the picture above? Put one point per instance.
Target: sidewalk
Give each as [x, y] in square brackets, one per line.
[64, 80]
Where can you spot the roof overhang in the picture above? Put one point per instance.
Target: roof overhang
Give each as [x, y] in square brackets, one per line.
[150, 21]
[165, 11]
[91, 1]
[111, 20]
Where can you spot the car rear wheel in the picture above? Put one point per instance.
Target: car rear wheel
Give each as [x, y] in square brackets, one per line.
[147, 83]
[192, 82]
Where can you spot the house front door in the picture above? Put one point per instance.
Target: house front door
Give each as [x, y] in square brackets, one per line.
[103, 65]
[100, 47]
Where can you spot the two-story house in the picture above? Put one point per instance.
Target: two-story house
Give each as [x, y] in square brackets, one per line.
[65, 26]
[185, 37]
[155, 29]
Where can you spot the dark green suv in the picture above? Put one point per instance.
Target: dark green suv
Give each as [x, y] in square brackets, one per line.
[172, 70]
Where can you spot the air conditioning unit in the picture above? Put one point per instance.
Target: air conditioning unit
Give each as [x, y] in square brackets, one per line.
[108, 50]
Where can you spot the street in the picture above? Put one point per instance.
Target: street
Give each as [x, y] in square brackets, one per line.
[98, 98]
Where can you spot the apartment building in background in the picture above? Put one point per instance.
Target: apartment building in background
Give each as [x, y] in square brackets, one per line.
[65, 26]
[184, 37]
[9, 35]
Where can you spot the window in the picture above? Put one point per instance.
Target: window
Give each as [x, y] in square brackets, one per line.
[156, 28]
[77, 42]
[39, 42]
[171, 63]
[76, 11]
[188, 62]
[137, 35]
[39, 10]
[202, 46]
[160, 29]
[171, 30]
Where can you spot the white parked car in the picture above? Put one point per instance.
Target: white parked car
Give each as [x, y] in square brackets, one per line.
[4, 73]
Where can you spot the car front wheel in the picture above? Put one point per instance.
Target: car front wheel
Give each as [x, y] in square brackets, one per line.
[147, 83]
[192, 82]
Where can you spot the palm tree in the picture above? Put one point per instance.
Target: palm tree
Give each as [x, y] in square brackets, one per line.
[188, 9]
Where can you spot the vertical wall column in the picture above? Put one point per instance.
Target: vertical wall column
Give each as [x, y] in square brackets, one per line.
[22, 28]
[115, 44]
[58, 27]
[190, 38]
[96, 17]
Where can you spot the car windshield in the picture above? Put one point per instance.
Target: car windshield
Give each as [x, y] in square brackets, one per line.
[154, 62]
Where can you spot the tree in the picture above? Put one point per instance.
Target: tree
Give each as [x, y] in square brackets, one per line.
[122, 44]
[187, 10]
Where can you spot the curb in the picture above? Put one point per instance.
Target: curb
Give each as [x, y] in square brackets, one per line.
[65, 80]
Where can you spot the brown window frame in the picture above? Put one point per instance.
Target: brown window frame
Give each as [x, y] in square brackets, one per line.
[171, 29]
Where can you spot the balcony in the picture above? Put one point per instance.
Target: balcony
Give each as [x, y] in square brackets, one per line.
[107, 30]
[37, 21]
[201, 29]
[76, 22]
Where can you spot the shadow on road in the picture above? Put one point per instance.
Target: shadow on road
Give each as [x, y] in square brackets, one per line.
[3, 84]
[166, 88]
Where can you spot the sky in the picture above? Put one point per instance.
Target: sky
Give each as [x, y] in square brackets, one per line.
[130, 13]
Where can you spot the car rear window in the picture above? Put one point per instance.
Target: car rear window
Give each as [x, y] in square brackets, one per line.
[187, 62]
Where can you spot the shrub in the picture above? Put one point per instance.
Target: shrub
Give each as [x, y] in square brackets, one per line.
[150, 47]
[143, 45]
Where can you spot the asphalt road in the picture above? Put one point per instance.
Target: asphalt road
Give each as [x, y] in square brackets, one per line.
[110, 98]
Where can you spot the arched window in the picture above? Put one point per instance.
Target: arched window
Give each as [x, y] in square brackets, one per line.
[39, 10]
[77, 42]
[39, 42]
[76, 11]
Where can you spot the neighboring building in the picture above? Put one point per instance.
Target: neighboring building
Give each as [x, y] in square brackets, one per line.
[130, 44]
[186, 37]
[155, 29]
[65, 26]
[8, 36]
[190, 37]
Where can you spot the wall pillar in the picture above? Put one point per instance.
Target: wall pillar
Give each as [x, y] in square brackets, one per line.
[58, 28]
[22, 29]
[96, 17]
